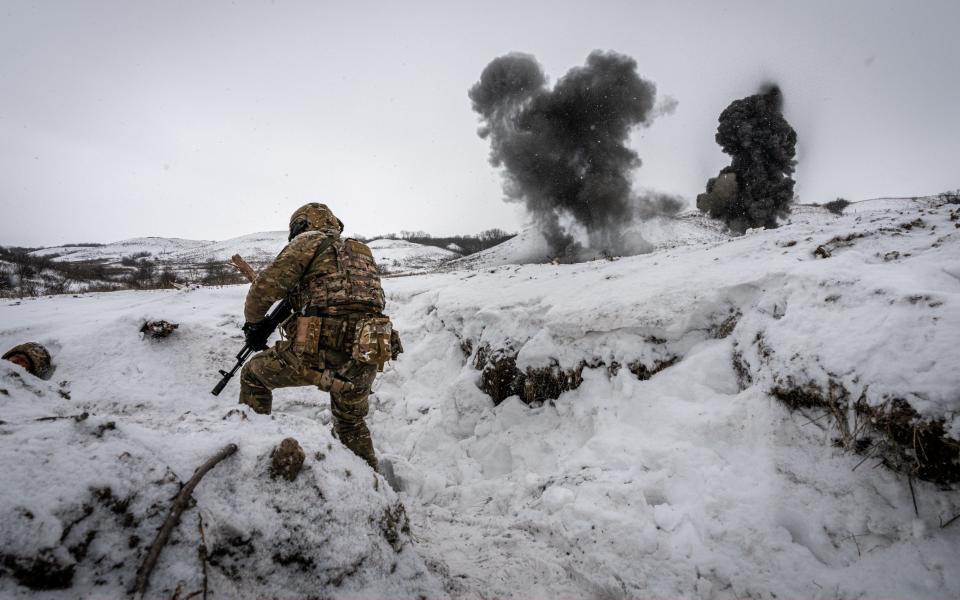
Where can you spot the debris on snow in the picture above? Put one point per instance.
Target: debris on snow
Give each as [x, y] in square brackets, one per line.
[158, 329]
[286, 460]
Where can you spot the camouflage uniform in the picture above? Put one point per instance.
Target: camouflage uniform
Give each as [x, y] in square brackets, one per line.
[332, 285]
[36, 355]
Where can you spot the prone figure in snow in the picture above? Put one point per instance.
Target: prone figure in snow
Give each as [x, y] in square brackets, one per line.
[337, 338]
[31, 356]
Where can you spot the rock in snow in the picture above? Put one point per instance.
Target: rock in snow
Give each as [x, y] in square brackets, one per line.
[674, 464]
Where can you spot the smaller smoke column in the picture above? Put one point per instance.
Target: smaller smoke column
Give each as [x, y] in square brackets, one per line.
[757, 187]
[564, 150]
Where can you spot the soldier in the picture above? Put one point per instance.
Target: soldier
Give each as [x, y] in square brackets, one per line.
[31, 356]
[338, 336]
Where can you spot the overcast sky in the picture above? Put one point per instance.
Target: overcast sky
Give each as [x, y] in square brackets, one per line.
[209, 120]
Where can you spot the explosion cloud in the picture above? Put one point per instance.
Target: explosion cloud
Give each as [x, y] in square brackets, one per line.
[757, 187]
[564, 149]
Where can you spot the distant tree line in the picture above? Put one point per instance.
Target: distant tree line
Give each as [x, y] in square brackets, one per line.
[27, 274]
[24, 274]
[465, 244]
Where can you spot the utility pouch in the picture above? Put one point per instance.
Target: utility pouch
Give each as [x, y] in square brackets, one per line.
[396, 347]
[332, 333]
[371, 342]
[307, 338]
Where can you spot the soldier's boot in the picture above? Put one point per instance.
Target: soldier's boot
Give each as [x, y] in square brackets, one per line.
[356, 437]
[260, 400]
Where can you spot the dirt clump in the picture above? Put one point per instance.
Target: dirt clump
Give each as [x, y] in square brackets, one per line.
[286, 460]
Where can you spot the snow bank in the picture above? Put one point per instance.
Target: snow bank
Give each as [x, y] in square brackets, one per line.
[91, 465]
[695, 482]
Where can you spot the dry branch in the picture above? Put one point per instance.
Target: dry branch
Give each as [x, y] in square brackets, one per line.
[179, 505]
[237, 261]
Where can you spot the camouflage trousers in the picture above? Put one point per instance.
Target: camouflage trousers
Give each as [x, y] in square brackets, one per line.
[347, 381]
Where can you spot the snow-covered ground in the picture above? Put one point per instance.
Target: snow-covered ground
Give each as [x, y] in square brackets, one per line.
[694, 482]
[92, 459]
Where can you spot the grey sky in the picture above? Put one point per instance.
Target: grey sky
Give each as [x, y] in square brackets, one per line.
[213, 119]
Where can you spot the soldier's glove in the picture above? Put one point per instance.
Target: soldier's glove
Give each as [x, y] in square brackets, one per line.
[256, 334]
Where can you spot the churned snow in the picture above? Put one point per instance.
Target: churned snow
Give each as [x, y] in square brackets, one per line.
[683, 485]
[692, 483]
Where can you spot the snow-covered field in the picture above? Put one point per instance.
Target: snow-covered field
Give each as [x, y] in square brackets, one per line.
[658, 233]
[694, 482]
[394, 256]
[401, 256]
[158, 248]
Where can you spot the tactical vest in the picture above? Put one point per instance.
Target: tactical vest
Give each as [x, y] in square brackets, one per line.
[342, 276]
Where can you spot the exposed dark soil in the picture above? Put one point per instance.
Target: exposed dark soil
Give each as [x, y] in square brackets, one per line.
[893, 432]
[500, 377]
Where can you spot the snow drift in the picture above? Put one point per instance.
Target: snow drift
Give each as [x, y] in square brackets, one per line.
[91, 465]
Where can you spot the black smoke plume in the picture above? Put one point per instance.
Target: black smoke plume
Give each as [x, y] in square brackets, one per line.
[757, 187]
[564, 149]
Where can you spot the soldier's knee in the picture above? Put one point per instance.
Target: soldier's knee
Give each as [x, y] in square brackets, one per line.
[259, 371]
[260, 404]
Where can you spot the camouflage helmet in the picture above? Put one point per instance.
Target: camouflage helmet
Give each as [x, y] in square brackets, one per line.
[313, 217]
[36, 355]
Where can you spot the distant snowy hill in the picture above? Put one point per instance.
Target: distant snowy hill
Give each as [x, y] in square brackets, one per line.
[774, 415]
[529, 246]
[393, 256]
[158, 248]
[401, 256]
[254, 247]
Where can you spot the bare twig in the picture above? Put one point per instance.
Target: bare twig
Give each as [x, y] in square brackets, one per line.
[81, 417]
[865, 458]
[179, 505]
[913, 494]
[853, 536]
[823, 416]
[947, 524]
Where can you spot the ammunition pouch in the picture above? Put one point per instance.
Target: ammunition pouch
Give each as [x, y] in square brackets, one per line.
[371, 340]
[306, 339]
[315, 332]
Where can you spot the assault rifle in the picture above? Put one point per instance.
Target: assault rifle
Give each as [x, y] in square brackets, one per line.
[274, 318]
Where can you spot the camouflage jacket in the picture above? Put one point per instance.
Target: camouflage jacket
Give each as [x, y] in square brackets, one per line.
[343, 275]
